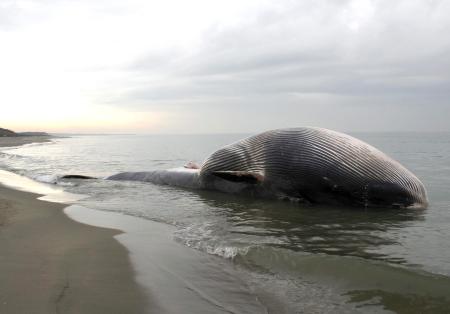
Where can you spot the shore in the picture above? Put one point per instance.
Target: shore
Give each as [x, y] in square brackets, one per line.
[52, 264]
[22, 140]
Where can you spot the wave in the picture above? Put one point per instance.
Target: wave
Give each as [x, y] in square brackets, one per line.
[8, 156]
[6, 164]
[357, 279]
[359, 271]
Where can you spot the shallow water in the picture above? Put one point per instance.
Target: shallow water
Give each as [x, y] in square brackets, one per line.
[294, 257]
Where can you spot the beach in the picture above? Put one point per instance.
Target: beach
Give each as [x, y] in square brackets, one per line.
[59, 257]
[50, 263]
[22, 140]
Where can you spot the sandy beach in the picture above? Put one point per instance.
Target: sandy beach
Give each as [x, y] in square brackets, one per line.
[52, 264]
[22, 140]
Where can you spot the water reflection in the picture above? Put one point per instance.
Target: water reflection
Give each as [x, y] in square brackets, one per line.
[348, 246]
[398, 302]
[313, 229]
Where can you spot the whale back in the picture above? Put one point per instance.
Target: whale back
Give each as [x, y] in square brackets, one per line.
[318, 165]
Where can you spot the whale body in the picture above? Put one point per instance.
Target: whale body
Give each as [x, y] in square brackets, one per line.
[308, 164]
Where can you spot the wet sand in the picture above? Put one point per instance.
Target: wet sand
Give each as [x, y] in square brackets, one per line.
[52, 264]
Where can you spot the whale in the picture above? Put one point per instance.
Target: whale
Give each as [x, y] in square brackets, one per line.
[306, 164]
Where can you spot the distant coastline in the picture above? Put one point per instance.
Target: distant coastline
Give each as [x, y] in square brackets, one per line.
[11, 141]
[10, 133]
[9, 138]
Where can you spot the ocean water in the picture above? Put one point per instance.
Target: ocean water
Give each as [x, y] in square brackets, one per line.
[302, 259]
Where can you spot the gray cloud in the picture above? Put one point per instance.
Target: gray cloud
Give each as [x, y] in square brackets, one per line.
[349, 65]
[399, 50]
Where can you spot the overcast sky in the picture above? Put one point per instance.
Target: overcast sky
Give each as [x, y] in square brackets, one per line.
[203, 66]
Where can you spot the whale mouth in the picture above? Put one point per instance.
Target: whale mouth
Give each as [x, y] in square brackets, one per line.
[394, 195]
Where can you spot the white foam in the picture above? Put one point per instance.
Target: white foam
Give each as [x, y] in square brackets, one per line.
[50, 193]
[46, 178]
[206, 238]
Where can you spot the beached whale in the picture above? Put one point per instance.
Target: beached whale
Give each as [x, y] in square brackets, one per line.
[309, 164]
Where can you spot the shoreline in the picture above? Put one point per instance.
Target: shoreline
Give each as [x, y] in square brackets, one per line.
[51, 263]
[64, 258]
[12, 141]
[178, 278]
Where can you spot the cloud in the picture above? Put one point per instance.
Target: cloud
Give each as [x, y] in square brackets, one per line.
[329, 63]
[318, 47]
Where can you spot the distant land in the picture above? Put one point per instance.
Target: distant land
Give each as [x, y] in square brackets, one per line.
[9, 133]
[6, 132]
[33, 134]
[89, 134]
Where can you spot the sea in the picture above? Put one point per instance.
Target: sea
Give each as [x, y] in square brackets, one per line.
[225, 253]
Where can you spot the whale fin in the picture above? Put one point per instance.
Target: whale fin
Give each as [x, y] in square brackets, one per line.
[240, 176]
[192, 165]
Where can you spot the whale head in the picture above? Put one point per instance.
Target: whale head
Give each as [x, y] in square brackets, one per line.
[412, 195]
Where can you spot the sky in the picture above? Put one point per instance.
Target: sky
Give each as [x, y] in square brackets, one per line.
[205, 66]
